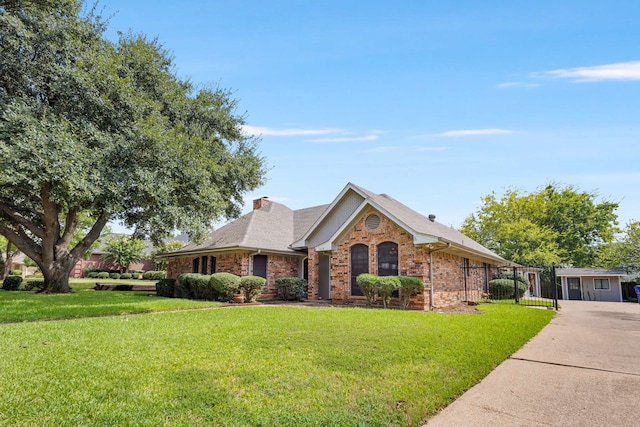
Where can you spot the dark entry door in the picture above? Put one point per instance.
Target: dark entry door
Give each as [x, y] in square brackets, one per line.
[573, 283]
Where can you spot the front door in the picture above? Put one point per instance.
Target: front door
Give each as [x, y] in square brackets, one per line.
[324, 280]
[575, 290]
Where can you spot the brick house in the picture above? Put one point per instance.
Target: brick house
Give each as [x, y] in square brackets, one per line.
[329, 245]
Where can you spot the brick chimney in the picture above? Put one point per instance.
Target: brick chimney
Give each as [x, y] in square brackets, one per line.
[261, 202]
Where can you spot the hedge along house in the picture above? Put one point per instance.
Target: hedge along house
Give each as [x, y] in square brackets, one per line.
[330, 245]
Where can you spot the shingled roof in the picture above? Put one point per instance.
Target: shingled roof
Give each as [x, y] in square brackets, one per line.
[276, 228]
[271, 228]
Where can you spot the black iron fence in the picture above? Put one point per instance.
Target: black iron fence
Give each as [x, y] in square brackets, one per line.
[532, 286]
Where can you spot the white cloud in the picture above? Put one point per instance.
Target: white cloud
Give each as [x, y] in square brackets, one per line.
[440, 148]
[267, 131]
[344, 139]
[517, 84]
[617, 71]
[383, 149]
[472, 132]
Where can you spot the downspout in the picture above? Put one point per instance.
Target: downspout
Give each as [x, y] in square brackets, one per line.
[431, 251]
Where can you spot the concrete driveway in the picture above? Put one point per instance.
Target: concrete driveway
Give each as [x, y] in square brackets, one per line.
[583, 369]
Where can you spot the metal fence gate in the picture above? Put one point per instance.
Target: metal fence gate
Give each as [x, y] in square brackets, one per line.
[532, 286]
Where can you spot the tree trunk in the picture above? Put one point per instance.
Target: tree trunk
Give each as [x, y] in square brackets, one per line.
[56, 277]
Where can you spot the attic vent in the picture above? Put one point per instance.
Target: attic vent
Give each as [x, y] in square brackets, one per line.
[372, 222]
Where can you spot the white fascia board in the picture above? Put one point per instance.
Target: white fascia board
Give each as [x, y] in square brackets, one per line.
[423, 239]
[302, 242]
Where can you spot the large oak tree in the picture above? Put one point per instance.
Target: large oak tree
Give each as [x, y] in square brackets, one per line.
[108, 131]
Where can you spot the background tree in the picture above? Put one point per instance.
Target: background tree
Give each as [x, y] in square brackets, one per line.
[163, 248]
[7, 252]
[624, 252]
[124, 251]
[555, 224]
[107, 130]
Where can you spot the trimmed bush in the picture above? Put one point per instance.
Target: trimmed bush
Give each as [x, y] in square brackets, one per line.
[367, 284]
[16, 272]
[114, 276]
[12, 283]
[92, 275]
[503, 289]
[291, 288]
[125, 276]
[385, 286]
[30, 285]
[251, 287]
[154, 275]
[225, 285]
[102, 275]
[165, 287]
[409, 288]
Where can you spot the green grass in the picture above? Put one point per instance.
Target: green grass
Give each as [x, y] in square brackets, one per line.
[20, 306]
[249, 366]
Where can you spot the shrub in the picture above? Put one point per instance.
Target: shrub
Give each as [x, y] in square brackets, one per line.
[16, 272]
[195, 286]
[409, 288]
[367, 284]
[154, 275]
[126, 276]
[385, 286]
[102, 275]
[503, 289]
[87, 272]
[92, 274]
[291, 288]
[12, 283]
[30, 285]
[201, 288]
[225, 284]
[165, 287]
[114, 276]
[251, 286]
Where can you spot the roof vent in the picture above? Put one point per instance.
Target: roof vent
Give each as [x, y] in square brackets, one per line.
[432, 218]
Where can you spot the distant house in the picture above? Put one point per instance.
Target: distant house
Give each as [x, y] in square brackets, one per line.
[591, 284]
[96, 260]
[330, 245]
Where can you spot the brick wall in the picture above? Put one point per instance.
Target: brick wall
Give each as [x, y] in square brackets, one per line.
[448, 271]
[449, 279]
[238, 263]
[411, 259]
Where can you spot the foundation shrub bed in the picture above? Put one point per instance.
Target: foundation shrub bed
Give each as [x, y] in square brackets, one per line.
[291, 288]
[251, 287]
[225, 285]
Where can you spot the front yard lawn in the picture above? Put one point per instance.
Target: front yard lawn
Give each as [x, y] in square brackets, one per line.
[21, 306]
[250, 366]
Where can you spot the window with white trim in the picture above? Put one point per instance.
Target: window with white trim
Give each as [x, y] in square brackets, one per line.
[601, 284]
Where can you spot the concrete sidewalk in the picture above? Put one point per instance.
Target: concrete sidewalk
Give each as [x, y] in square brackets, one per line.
[583, 369]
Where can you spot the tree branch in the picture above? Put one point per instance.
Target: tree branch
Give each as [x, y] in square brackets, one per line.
[11, 213]
[91, 237]
[22, 241]
[71, 222]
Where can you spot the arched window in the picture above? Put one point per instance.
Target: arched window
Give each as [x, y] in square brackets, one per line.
[359, 265]
[388, 259]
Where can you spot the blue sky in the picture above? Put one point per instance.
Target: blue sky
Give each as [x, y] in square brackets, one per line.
[434, 103]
